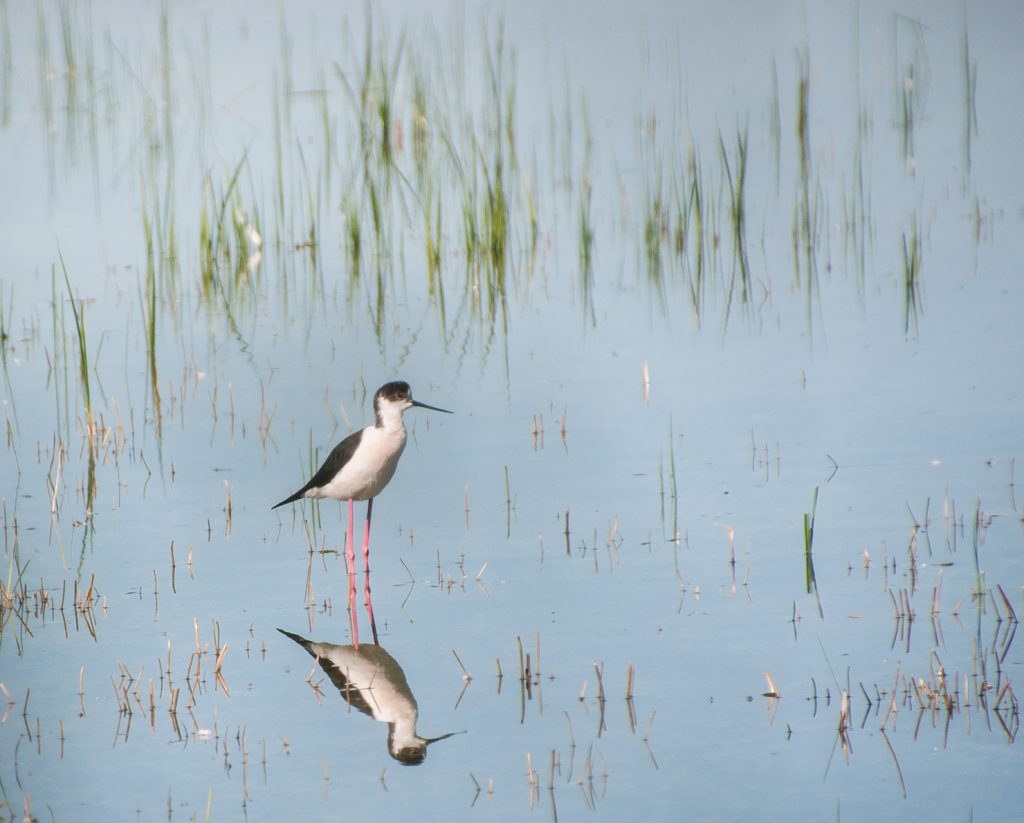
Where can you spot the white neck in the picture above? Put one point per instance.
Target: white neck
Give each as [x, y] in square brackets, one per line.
[389, 415]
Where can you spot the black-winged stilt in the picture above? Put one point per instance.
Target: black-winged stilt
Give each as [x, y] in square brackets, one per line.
[373, 682]
[361, 465]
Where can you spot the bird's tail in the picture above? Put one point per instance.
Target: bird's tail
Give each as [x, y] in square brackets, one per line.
[306, 644]
[291, 499]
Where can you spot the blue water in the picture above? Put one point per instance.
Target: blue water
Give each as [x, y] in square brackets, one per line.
[701, 592]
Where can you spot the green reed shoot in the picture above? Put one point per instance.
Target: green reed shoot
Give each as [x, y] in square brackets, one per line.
[496, 215]
[432, 235]
[810, 580]
[45, 71]
[970, 76]
[655, 219]
[809, 525]
[279, 210]
[979, 575]
[312, 213]
[327, 127]
[655, 210]
[432, 238]
[385, 87]
[808, 206]
[286, 67]
[533, 223]
[6, 307]
[911, 251]
[83, 366]
[420, 122]
[496, 176]
[380, 245]
[809, 541]
[149, 316]
[508, 504]
[586, 247]
[353, 232]
[912, 81]
[907, 117]
[775, 125]
[206, 254]
[737, 213]
[804, 228]
[693, 203]
[215, 236]
[857, 215]
[60, 357]
[6, 66]
[673, 487]
[83, 353]
[70, 63]
[803, 96]
[471, 237]
[167, 85]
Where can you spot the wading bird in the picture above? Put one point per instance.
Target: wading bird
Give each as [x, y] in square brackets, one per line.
[361, 465]
[373, 682]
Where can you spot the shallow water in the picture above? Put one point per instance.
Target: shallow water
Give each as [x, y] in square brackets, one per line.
[624, 484]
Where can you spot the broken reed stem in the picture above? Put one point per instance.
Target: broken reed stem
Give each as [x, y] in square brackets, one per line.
[1006, 603]
[936, 594]
[220, 659]
[650, 722]
[465, 672]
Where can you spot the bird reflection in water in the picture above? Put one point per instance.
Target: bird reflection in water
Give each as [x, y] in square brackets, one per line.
[359, 468]
[371, 681]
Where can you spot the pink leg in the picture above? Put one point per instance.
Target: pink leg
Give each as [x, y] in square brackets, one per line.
[352, 615]
[350, 553]
[366, 570]
[366, 537]
[350, 558]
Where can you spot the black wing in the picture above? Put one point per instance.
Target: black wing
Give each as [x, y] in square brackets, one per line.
[339, 456]
[352, 694]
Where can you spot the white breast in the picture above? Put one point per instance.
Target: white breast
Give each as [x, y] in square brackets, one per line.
[370, 468]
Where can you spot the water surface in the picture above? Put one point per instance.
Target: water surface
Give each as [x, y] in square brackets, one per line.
[690, 279]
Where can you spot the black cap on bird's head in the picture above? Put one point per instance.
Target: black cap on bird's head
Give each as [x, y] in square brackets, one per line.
[394, 391]
[414, 753]
[399, 393]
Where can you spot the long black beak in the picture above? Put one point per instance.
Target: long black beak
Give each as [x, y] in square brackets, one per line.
[432, 408]
[429, 740]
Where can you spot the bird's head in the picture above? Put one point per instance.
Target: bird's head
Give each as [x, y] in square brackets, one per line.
[394, 398]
